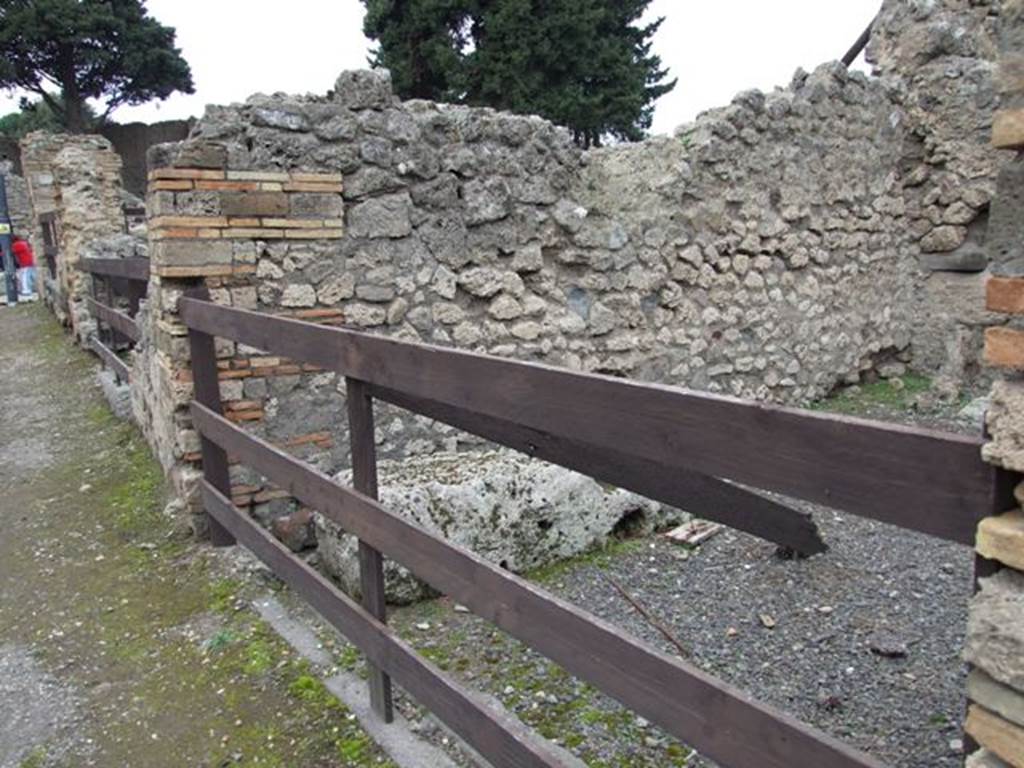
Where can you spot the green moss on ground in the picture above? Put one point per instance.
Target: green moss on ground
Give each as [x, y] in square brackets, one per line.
[885, 395]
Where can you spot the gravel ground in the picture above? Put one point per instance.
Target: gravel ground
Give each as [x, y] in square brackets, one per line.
[862, 642]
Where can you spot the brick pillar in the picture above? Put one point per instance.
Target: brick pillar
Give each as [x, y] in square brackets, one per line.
[210, 225]
[995, 642]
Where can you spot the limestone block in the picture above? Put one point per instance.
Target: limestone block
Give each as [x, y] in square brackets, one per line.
[999, 736]
[1005, 236]
[315, 205]
[511, 510]
[1002, 538]
[1008, 129]
[1005, 422]
[944, 238]
[364, 89]
[985, 759]
[254, 204]
[995, 628]
[387, 216]
[191, 253]
[996, 697]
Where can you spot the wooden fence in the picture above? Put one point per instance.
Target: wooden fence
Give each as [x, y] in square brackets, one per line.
[121, 284]
[677, 446]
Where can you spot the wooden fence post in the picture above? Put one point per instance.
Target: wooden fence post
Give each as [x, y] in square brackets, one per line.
[207, 392]
[371, 563]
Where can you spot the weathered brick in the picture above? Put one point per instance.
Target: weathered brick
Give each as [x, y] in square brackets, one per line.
[171, 185]
[314, 234]
[253, 233]
[194, 271]
[315, 205]
[292, 223]
[163, 222]
[228, 186]
[301, 186]
[243, 221]
[255, 204]
[258, 176]
[1004, 347]
[185, 173]
[1008, 129]
[1005, 294]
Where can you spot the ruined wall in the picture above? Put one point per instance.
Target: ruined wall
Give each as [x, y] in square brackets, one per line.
[19, 206]
[78, 179]
[744, 256]
[995, 643]
[941, 56]
[87, 175]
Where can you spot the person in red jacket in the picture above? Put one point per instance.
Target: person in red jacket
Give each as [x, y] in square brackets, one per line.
[26, 262]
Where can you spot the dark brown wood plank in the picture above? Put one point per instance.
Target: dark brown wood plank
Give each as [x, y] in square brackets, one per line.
[371, 564]
[112, 361]
[116, 319]
[503, 741]
[717, 719]
[698, 494]
[134, 268]
[919, 479]
[206, 386]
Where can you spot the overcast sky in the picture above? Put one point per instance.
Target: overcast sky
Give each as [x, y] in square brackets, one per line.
[715, 47]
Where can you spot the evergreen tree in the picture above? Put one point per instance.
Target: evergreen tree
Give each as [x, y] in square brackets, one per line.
[585, 64]
[421, 43]
[88, 49]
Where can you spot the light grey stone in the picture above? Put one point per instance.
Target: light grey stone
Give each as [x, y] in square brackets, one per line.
[511, 510]
[995, 630]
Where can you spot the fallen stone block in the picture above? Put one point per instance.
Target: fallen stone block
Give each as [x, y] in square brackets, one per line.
[513, 511]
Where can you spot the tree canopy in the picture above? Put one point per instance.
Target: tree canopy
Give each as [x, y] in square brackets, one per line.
[586, 64]
[37, 116]
[69, 51]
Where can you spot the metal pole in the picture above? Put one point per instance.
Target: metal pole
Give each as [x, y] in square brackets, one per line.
[860, 45]
[10, 268]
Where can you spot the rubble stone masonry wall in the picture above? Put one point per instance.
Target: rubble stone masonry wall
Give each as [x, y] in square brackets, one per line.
[775, 248]
[995, 643]
[78, 179]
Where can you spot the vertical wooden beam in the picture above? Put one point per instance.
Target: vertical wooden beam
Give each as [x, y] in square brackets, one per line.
[207, 392]
[371, 563]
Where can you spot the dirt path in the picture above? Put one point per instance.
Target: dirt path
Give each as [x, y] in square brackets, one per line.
[122, 644]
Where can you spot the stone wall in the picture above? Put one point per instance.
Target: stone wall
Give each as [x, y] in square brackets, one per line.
[131, 141]
[87, 176]
[941, 55]
[995, 643]
[772, 249]
[493, 232]
[19, 207]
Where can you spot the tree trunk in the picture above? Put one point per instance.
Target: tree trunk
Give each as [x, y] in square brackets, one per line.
[74, 107]
[74, 114]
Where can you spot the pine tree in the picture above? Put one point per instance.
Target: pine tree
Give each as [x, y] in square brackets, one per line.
[585, 64]
[69, 51]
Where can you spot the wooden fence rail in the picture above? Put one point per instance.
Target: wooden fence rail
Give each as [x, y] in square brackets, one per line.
[673, 445]
[123, 283]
